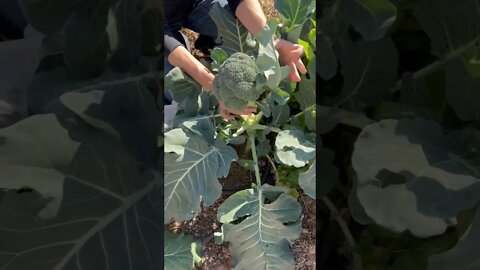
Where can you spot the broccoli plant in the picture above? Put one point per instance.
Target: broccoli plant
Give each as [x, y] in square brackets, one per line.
[261, 222]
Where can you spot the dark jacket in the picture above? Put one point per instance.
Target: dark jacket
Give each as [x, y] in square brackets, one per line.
[176, 12]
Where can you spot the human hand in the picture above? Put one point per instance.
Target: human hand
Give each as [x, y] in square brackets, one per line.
[182, 58]
[230, 114]
[205, 79]
[291, 54]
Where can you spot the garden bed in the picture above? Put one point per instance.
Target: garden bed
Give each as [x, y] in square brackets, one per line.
[217, 257]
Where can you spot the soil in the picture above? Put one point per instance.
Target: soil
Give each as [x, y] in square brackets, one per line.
[203, 226]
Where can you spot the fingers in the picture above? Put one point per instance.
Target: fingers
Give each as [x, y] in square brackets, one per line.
[226, 115]
[230, 114]
[301, 67]
[299, 49]
[248, 110]
[294, 76]
[224, 112]
[297, 59]
[294, 61]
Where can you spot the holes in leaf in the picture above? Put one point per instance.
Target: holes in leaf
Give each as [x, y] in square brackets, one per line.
[240, 219]
[388, 178]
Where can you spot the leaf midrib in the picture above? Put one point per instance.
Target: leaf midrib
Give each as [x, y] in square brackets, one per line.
[186, 172]
[128, 202]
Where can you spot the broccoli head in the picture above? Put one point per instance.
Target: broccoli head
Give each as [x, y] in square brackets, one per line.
[235, 82]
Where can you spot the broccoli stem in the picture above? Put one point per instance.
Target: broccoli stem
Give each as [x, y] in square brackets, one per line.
[247, 148]
[252, 103]
[251, 138]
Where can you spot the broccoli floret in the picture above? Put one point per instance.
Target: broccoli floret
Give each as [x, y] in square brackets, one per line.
[235, 82]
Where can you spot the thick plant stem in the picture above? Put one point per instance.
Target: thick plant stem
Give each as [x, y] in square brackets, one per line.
[439, 63]
[346, 232]
[251, 138]
[248, 145]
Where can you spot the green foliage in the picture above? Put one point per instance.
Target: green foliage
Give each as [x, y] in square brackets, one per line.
[261, 240]
[307, 180]
[79, 175]
[295, 14]
[426, 183]
[461, 256]
[327, 171]
[192, 168]
[235, 36]
[399, 94]
[181, 251]
[453, 31]
[294, 148]
[372, 18]
[97, 34]
[80, 179]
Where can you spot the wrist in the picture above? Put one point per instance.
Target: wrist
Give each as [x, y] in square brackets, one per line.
[182, 58]
[205, 78]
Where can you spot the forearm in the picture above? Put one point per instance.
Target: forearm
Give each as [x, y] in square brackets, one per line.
[250, 14]
[182, 58]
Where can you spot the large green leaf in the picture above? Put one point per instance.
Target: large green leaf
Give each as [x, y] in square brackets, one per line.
[267, 60]
[181, 251]
[464, 255]
[280, 115]
[125, 33]
[128, 113]
[294, 148]
[371, 18]
[17, 173]
[192, 169]
[296, 12]
[192, 101]
[327, 64]
[97, 33]
[413, 177]
[307, 181]
[356, 209]
[181, 86]
[261, 240]
[454, 31]
[327, 172]
[72, 197]
[86, 41]
[369, 69]
[235, 36]
[306, 96]
[119, 104]
[49, 85]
